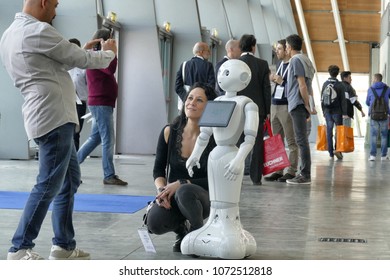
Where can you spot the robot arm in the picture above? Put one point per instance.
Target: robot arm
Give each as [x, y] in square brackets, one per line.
[236, 166]
[200, 145]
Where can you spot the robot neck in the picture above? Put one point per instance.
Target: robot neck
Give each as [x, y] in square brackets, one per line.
[231, 94]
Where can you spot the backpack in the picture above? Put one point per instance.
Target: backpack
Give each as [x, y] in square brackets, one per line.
[379, 108]
[329, 95]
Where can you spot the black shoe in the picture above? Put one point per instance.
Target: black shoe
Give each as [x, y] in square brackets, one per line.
[259, 183]
[285, 177]
[181, 232]
[273, 177]
[339, 155]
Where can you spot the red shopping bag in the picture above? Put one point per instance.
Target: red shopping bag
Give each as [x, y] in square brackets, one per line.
[275, 156]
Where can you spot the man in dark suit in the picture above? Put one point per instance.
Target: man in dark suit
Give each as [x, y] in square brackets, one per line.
[233, 51]
[197, 69]
[259, 90]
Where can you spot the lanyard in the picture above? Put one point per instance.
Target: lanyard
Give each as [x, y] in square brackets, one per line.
[280, 69]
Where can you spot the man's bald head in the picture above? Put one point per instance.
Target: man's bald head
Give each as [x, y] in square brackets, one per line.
[42, 10]
[201, 49]
[232, 48]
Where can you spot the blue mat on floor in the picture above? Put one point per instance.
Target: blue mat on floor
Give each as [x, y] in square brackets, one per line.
[108, 203]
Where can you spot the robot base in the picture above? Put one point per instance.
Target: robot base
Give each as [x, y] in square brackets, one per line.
[221, 237]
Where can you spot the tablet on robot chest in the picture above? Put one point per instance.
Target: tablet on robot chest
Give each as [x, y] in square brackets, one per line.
[217, 113]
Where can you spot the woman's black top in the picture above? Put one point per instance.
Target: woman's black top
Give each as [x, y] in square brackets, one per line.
[177, 168]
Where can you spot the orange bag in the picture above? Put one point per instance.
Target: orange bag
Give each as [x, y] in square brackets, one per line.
[321, 142]
[344, 140]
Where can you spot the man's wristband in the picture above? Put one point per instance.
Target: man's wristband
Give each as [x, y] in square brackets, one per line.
[183, 181]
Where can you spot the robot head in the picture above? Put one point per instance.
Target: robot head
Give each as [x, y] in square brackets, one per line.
[234, 75]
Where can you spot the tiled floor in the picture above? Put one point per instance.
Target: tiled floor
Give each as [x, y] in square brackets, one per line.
[348, 199]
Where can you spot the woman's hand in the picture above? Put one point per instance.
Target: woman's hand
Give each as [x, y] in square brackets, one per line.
[163, 199]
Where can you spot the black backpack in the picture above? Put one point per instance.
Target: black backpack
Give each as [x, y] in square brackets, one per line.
[329, 95]
[379, 108]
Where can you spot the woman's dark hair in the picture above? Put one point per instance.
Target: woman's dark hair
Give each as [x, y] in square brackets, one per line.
[181, 120]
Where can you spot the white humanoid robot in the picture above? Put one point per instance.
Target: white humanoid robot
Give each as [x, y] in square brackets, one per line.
[223, 236]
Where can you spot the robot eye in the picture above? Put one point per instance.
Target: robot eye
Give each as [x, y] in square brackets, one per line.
[226, 73]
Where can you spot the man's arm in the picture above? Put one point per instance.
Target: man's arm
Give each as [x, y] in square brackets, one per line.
[304, 92]
[179, 84]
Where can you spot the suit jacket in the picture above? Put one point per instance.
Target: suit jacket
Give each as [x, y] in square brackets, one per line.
[196, 70]
[217, 66]
[259, 88]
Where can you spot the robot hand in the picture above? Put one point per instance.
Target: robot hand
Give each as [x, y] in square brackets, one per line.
[234, 168]
[191, 162]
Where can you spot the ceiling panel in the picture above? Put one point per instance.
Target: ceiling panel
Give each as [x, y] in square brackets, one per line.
[360, 21]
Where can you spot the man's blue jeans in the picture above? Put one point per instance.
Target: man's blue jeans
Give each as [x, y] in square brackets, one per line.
[102, 131]
[331, 121]
[57, 182]
[375, 128]
[299, 117]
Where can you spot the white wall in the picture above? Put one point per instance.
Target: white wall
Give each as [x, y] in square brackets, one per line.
[141, 108]
[13, 138]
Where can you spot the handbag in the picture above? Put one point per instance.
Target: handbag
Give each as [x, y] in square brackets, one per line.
[275, 156]
[344, 139]
[321, 142]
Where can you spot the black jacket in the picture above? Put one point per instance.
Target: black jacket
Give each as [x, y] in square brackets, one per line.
[339, 106]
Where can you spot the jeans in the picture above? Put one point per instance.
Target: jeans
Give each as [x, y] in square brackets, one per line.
[347, 122]
[299, 117]
[57, 182]
[382, 128]
[331, 121]
[102, 131]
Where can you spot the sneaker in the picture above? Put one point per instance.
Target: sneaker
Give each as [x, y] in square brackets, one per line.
[24, 254]
[273, 177]
[371, 158]
[114, 181]
[285, 177]
[339, 155]
[384, 158]
[58, 253]
[299, 180]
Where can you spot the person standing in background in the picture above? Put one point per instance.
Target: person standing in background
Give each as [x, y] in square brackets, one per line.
[379, 116]
[197, 69]
[79, 79]
[259, 90]
[351, 97]
[280, 118]
[233, 51]
[335, 112]
[298, 86]
[50, 119]
[103, 92]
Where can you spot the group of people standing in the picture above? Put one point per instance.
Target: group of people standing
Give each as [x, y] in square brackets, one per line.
[289, 107]
[182, 202]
